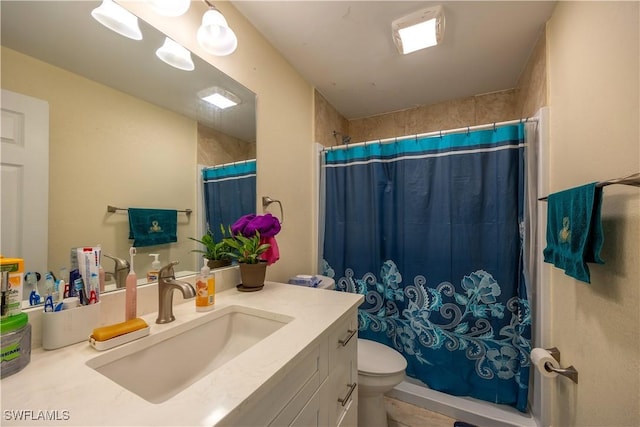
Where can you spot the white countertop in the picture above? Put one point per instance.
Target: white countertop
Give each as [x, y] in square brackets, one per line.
[59, 385]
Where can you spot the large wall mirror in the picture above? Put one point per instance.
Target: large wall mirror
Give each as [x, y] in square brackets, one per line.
[125, 129]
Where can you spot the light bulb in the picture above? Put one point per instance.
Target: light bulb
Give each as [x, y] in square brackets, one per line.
[118, 19]
[215, 36]
[175, 55]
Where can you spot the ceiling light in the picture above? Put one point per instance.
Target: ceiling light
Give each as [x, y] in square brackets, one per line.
[117, 19]
[219, 97]
[170, 7]
[175, 55]
[214, 35]
[421, 29]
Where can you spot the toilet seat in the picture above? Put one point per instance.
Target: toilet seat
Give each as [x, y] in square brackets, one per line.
[377, 359]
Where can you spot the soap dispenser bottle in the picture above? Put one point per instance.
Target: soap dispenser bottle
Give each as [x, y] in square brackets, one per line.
[152, 275]
[131, 301]
[205, 289]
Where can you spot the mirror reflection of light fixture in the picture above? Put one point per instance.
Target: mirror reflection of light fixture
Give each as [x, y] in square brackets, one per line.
[118, 19]
[170, 7]
[214, 35]
[419, 30]
[175, 55]
[219, 97]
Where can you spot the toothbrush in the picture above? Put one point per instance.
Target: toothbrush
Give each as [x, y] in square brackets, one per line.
[34, 296]
[131, 289]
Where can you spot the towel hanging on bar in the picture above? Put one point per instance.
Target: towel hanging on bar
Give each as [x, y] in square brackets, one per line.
[149, 227]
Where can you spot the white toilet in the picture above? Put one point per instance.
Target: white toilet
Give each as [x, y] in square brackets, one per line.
[380, 368]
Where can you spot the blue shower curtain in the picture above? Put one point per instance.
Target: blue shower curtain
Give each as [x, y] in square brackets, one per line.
[229, 193]
[430, 231]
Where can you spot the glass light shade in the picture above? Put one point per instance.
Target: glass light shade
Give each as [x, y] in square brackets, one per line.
[170, 7]
[215, 36]
[118, 19]
[175, 55]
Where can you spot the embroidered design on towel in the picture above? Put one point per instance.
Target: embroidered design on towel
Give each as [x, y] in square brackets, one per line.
[155, 227]
[565, 233]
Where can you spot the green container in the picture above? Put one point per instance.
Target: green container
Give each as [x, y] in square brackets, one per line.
[15, 344]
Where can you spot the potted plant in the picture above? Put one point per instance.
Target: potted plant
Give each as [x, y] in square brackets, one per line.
[217, 253]
[253, 244]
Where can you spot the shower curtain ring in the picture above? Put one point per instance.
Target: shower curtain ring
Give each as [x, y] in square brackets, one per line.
[468, 130]
[494, 126]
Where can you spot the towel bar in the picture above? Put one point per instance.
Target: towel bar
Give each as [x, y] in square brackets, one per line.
[113, 209]
[633, 180]
[266, 201]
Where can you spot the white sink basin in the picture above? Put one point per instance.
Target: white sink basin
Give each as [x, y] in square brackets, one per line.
[163, 364]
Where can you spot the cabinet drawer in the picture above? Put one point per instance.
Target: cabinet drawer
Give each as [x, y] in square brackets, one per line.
[343, 363]
[343, 341]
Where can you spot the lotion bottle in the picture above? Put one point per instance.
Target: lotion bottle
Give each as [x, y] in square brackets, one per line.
[205, 289]
[152, 275]
[131, 290]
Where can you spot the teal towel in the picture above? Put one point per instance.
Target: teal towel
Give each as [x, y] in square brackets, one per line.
[574, 230]
[148, 227]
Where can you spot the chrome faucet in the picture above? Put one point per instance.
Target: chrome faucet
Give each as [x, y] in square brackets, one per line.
[167, 283]
[120, 271]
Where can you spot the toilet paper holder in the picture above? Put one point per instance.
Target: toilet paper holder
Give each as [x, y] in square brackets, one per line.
[570, 372]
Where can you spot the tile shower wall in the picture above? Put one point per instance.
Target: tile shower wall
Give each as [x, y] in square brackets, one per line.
[216, 148]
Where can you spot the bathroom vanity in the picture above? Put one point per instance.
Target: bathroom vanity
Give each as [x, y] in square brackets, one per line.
[295, 365]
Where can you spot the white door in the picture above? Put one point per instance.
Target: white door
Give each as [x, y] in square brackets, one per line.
[24, 158]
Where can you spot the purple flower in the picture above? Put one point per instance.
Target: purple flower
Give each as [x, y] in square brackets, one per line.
[267, 225]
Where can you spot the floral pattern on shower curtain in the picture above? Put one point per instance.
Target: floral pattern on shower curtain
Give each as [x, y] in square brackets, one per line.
[430, 231]
[229, 193]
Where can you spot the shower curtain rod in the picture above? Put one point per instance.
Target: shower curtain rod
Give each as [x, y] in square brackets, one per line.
[239, 162]
[435, 133]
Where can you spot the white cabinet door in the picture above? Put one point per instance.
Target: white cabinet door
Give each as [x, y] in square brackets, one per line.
[25, 180]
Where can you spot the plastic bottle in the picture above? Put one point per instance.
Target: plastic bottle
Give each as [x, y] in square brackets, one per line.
[205, 289]
[152, 275]
[131, 290]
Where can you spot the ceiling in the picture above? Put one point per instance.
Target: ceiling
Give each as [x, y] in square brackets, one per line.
[345, 49]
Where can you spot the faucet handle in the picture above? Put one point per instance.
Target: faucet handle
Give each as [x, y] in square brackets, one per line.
[167, 272]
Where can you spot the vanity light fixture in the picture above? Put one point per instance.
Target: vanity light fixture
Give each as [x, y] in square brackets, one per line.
[214, 35]
[175, 55]
[219, 97]
[170, 7]
[419, 30]
[118, 19]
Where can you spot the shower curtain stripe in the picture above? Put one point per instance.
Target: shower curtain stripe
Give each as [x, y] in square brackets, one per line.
[430, 231]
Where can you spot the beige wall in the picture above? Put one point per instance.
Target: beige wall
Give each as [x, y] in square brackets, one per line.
[106, 147]
[593, 54]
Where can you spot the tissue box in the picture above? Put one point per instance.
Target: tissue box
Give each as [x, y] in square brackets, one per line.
[15, 267]
[305, 280]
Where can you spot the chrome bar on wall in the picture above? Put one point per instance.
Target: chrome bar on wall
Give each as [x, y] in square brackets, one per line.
[113, 209]
[633, 180]
[266, 201]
